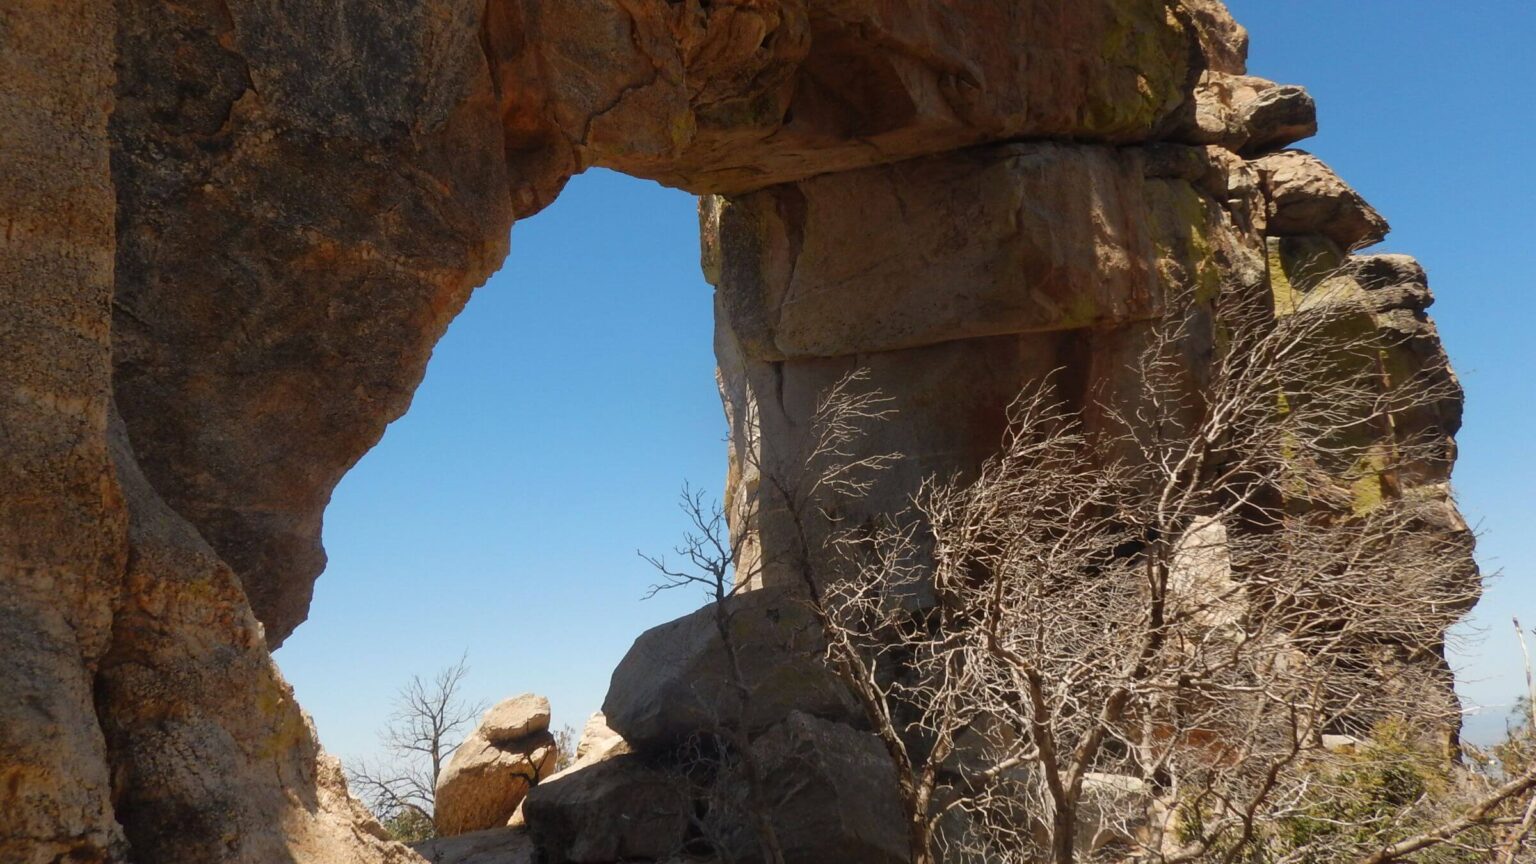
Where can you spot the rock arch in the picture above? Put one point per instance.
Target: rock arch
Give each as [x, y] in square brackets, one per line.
[235, 229]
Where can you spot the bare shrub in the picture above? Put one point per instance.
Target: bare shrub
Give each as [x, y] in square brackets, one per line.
[1176, 622]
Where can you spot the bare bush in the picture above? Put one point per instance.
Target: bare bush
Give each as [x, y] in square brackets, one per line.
[1177, 622]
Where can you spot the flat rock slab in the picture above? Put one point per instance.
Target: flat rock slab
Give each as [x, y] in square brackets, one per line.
[514, 718]
[495, 846]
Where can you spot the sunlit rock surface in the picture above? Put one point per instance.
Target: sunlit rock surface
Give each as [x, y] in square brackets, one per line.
[234, 230]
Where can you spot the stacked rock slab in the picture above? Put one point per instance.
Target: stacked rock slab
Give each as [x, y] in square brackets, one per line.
[491, 772]
[234, 230]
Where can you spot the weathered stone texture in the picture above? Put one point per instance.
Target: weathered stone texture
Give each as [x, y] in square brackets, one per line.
[212, 759]
[492, 770]
[1307, 198]
[676, 682]
[495, 846]
[965, 278]
[307, 193]
[830, 794]
[243, 225]
[61, 516]
[1017, 238]
[734, 96]
[618, 810]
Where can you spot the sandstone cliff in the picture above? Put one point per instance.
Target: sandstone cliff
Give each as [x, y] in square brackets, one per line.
[234, 231]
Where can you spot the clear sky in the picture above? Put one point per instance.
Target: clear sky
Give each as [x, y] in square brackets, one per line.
[568, 403]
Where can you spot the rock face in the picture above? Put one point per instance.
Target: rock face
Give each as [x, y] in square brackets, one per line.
[63, 523]
[293, 237]
[491, 772]
[674, 683]
[618, 810]
[1307, 198]
[234, 230]
[830, 794]
[1065, 253]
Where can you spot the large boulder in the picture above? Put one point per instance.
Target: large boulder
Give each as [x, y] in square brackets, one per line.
[618, 810]
[831, 795]
[1277, 117]
[598, 744]
[1245, 114]
[493, 846]
[1307, 197]
[491, 772]
[675, 681]
[516, 718]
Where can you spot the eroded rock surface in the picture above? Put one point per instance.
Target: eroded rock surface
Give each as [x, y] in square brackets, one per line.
[491, 772]
[830, 794]
[241, 226]
[306, 195]
[618, 810]
[62, 519]
[676, 682]
[495, 846]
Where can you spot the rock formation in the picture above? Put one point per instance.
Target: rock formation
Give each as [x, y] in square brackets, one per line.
[674, 683]
[492, 770]
[234, 231]
[598, 743]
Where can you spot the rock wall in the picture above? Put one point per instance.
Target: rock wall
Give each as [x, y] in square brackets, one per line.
[62, 519]
[234, 230]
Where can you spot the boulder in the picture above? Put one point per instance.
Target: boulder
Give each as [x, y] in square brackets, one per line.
[493, 846]
[612, 811]
[491, 772]
[1392, 282]
[515, 718]
[831, 795]
[1244, 114]
[483, 782]
[1278, 117]
[674, 683]
[1223, 41]
[1306, 197]
[598, 744]
[598, 741]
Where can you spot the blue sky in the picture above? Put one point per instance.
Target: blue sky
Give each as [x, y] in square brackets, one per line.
[575, 394]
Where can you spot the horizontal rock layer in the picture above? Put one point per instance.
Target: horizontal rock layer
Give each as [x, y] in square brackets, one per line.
[241, 226]
[308, 195]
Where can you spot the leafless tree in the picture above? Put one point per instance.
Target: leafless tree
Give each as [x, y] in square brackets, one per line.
[428, 723]
[1176, 622]
[707, 559]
